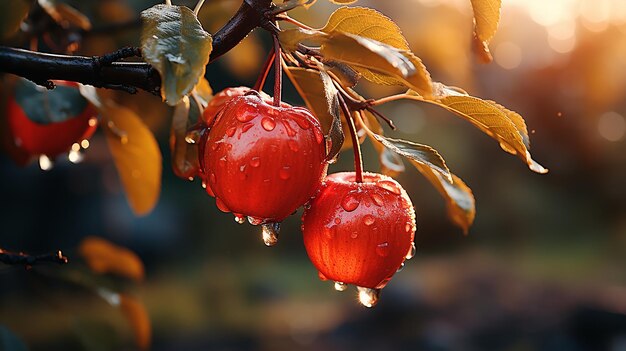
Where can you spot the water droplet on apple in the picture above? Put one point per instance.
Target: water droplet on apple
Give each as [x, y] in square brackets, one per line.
[246, 127]
[382, 249]
[354, 235]
[368, 297]
[293, 145]
[368, 219]
[255, 161]
[389, 186]
[349, 202]
[378, 199]
[411, 252]
[240, 219]
[254, 220]
[231, 131]
[284, 173]
[340, 286]
[246, 116]
[268, 123]
[270, 233]
[401, 267]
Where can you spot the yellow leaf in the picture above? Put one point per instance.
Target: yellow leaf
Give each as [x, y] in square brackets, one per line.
[458, 196]
[486, 19]
[137, 316]
[185, 161]
[367, 23]
[104, 257]
[503, 125]
[309, 85]
[136, 154]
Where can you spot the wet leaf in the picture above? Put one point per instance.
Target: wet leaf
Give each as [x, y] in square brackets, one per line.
[335, 132]
[367, 23]
[505, 126]
[10, 341]
[390, 162]
[12, 13]
[459, 199]
[486, 19]
[184, 155]
[104, 257]
[136, 154]
[419, 153]
[65, 15]
[174, 42]
[139, 320]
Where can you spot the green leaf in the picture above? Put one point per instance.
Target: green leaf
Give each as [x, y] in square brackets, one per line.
[136, 154]
[9, 341]
[12, 13]
[174, 42]
[49, 106]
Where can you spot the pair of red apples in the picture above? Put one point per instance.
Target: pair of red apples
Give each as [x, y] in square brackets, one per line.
[263, 162]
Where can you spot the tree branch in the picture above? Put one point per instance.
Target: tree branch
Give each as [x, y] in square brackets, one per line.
[20, 258]
[128, 76]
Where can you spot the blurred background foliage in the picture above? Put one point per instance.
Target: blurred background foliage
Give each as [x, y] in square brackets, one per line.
[543, 267]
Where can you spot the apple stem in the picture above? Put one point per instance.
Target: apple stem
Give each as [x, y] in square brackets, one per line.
[278, 72]
[258, 86]
[356, 146]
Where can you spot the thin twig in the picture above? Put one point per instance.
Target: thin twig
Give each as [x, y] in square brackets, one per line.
[20, 258]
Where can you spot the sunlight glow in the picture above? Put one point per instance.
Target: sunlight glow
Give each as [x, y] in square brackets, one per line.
[612, 126]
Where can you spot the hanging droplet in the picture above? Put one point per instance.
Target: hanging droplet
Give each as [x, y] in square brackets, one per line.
[190, 179]
[45, 163]
[340, 286]
[350, 202]
[368, 297]
[411, 252]
[382, 249]
[254, 220]
[401, 267]
[270, 233]
[193, 136]
[203, 184]
[240, 219]
[75, 156]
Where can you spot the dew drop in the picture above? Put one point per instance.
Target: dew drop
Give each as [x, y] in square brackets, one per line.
[45, 163]
[378, 200]
[268, 123]
[340, 286]
[382, 249]
[221, 205]
[401, 267]
[330, 232]
[411, 252]
[349, 202]
[368, 297]
[283, 173]
[290, 131]
[293, 145]
[231, 131]
[190, 179]
[389, 186]
[246, 127]
[368, 219]
[380, 212]
[321, 276]
[240, 219]
[354, 235]
[246, 116]
[319, 137]
[255, 161]
[203, 184]
[337, 220]
[212, 178]
[270, 233]
[254, 220]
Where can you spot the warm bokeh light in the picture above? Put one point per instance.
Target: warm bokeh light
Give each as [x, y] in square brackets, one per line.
[612, 126]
